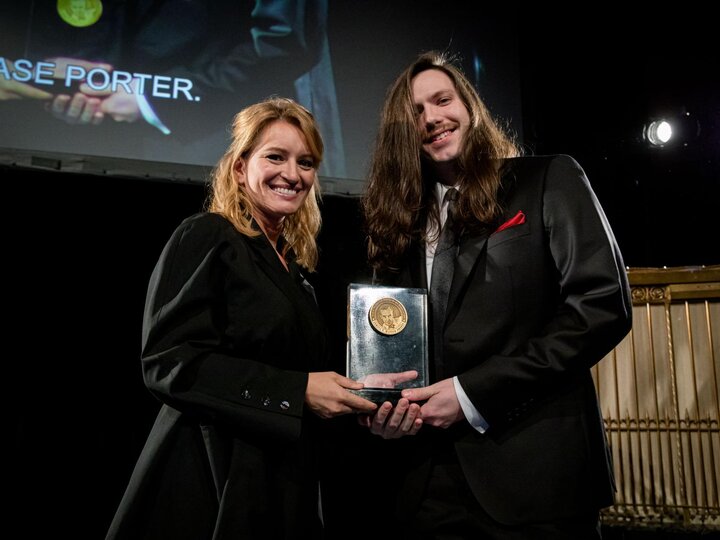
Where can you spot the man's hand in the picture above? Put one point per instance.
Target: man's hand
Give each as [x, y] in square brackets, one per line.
[441, 408]
[393, 423]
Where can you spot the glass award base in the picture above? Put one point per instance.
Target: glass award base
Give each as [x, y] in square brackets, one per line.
[387, 340]
[379, 395]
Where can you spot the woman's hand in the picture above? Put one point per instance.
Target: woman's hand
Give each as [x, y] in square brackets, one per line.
[328, 395]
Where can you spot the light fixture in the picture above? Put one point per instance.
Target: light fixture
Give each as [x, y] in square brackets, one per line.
[658, 132]
[674, 130]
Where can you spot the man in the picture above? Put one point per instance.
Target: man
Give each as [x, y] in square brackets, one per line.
[510, 442]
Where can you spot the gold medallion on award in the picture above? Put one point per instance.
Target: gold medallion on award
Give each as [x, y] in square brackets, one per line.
[388, 316]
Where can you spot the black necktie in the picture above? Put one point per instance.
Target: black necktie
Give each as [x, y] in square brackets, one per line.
[442, 274]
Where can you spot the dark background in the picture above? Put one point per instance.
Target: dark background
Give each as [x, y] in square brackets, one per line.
[80, 249]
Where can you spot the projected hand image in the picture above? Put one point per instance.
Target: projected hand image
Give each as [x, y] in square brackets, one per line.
[80, 100]
[90, 104]
[11, 88]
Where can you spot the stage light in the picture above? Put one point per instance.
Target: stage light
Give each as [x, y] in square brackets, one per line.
[672, 130]
[658, 132]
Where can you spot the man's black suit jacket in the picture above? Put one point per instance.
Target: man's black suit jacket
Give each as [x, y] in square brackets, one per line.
[532, 307]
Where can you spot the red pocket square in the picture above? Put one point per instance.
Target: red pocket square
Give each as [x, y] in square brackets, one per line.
[517, 219]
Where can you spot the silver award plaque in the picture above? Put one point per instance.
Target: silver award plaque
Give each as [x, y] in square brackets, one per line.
[387, 336]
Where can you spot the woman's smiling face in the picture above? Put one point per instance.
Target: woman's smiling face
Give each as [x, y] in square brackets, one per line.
[278, 174]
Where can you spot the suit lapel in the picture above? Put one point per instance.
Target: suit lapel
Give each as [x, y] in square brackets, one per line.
[415, 273]
[470, 249]
[268, 261]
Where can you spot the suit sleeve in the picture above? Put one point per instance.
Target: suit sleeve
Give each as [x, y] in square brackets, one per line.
[591, 313]
[245, 49]
[187, 359]
[277, 41]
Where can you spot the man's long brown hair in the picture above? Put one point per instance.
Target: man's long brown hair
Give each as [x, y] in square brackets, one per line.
[399, 198]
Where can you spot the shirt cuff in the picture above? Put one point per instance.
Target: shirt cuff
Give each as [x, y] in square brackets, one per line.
[471, 413]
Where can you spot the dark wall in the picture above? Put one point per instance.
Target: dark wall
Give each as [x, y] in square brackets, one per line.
[590, 84]
[79, 260]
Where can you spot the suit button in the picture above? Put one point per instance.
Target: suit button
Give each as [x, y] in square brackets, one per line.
[284, 405]
[266, 401]
[246, 394]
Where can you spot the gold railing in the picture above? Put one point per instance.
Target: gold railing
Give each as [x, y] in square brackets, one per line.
[658, 393]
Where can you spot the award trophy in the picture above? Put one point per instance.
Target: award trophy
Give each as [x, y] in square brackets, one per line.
[387, 335]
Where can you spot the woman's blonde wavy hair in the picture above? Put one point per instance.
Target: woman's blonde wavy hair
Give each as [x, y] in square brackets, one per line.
[227, 198]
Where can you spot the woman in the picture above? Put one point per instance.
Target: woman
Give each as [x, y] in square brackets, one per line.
[232, 345]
